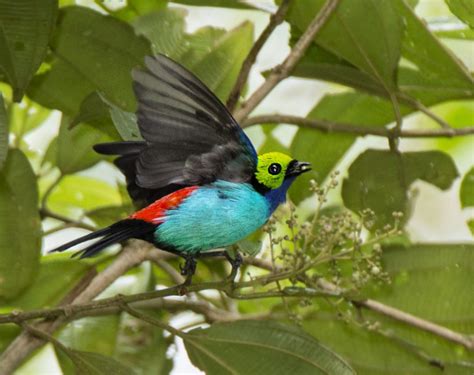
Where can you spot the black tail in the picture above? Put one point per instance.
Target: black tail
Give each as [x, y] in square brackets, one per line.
[118, 232]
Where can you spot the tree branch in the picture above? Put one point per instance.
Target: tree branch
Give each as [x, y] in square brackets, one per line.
[275, 20]
[24, 344]
[335, 127]
[282, 71]
[414, 321]
[45, 212]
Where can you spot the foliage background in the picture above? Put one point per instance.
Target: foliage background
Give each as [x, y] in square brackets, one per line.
[70, 68]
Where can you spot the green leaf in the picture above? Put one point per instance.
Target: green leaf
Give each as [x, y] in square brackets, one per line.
[94, 111]
[125, 122]
[94, 53]
[136, 8]
[56, 276]
[20, 225]
[379, 180]
[324, 150]
[26, 117]
[365, 33]
[467, 189]
[165, 29]
[214, 55]
[463, 34]
[219, 68]
[257, 347]
[3, 133]
[439, 74]
[249, 247]
[74, 149]
[88, 363]
[25, 29]
[95, 334]
[423, 280]
[463, 9]
[143, 347]
[470, 224]
[105, 216]
[76, 194]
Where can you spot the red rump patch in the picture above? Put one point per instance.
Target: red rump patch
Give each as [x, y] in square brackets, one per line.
[154, 212]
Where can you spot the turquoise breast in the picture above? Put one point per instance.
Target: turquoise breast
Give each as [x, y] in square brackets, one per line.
[214, 216]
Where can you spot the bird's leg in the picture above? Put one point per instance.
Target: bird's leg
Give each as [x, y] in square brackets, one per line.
[235, 262]
[188, 270]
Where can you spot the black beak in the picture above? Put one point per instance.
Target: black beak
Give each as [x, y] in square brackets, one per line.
[295, 168]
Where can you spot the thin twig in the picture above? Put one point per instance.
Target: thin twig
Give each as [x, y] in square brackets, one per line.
[282, 71]
[151, 320]
[422, 108]
[335, 127]
[45, 212]
[275, 20]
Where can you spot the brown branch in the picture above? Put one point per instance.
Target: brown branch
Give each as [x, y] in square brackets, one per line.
[275, 20]
[24, 344]
[414, 321]
[336, 127]
[45, 212]
[282, 71]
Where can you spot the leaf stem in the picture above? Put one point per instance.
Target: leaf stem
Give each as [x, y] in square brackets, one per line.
[275, 20]
[282, 71]
[335, 127]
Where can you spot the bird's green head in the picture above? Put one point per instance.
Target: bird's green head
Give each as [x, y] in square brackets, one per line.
[273, 168]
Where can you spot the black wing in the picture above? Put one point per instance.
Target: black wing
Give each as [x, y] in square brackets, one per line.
[190, 136]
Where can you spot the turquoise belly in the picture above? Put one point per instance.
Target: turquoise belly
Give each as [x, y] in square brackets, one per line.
[214, 216]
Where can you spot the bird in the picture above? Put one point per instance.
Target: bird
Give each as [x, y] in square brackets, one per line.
[196, 178]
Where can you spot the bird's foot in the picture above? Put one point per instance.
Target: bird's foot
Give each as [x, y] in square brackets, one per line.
[187, 270]
[235, 262]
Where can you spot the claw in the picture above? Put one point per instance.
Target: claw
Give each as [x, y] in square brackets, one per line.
[235, 263]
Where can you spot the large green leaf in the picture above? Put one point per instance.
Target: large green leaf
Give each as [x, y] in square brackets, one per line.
[165, 29]
[20, 225]
[135, 8]
[324, 150]
[439, 74]
[463, 9]
[366, 33]
[88, 363]
[25, 28]
[92, 53]
[75, 193]
[260, 347]
[380, 180]
[429, 281]
[74, 147]
[57, 274]
[143, 347]
[219, 68]
[467, 189]
[214, 55]
[3, 133]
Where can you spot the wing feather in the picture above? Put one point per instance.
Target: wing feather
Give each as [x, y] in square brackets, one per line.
[190, 136]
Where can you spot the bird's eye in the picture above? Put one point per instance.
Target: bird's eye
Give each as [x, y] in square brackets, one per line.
[274, 168]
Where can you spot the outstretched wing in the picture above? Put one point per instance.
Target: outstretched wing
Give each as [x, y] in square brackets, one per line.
[192, 138]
